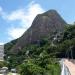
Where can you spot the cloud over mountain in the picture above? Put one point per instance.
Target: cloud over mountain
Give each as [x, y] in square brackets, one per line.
[25, 17]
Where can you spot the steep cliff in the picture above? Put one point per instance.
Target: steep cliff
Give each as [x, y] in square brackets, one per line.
[43, 26]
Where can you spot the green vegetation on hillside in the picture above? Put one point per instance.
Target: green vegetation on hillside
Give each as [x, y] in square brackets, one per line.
[3, 64]
[39, 66]
[41, 59]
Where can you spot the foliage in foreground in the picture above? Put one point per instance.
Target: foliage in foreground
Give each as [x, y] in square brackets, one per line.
[3, 64]
[39, 66]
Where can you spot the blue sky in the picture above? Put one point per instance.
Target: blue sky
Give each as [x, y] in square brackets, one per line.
[16, 16]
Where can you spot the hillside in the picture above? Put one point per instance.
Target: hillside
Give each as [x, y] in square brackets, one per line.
[43, 58]
[38, 50]
[43, 26]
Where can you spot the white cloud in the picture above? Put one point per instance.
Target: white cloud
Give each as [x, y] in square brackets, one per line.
[15, 15]
[1, 43]
[15, 32]
[2, 13]
[1, 10]
[25, 16]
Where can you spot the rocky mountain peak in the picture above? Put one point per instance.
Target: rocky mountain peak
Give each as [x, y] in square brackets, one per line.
[43, 26]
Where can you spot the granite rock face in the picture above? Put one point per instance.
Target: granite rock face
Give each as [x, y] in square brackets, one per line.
[43, 26]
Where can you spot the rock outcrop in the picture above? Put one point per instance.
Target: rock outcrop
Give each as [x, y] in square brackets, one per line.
[43, 26]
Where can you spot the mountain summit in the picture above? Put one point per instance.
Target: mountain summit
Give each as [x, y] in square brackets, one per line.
[43, 26]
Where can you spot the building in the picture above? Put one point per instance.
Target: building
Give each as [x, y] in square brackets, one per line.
[1, 52]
